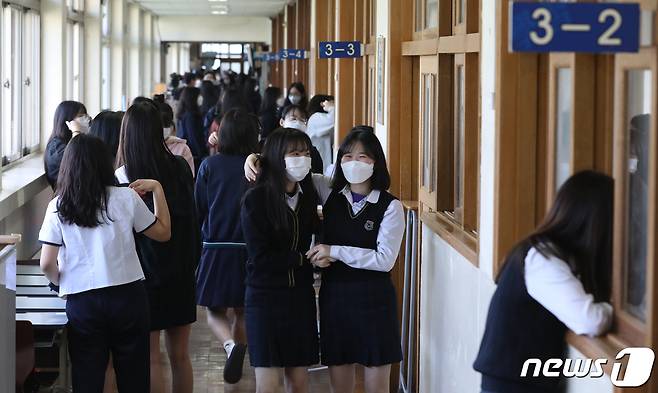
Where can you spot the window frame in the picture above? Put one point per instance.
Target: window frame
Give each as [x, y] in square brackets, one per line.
[24, 81]
[456, 49]
[627, 327]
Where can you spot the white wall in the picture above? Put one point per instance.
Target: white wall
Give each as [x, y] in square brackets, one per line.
[214, 28]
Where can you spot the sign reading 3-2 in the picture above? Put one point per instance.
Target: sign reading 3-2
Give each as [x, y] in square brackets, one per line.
[575, 27]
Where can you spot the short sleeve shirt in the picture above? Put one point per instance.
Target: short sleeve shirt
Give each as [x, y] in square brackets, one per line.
[102, 256]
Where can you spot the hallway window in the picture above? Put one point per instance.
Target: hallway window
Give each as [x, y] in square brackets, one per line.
[19, 75]
[563, 145]
[638, 114]
[105, 54]
[74, 67]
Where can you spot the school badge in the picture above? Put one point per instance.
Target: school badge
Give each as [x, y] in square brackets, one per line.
[369, 225]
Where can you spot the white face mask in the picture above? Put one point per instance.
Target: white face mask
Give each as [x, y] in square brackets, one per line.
[295, 99]
[296, 124]
[197, 84]
[166, 132]
[632, 165]
[199, 101]
[356, 172]
[297, 168]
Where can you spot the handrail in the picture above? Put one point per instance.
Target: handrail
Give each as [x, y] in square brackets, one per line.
[409, 303]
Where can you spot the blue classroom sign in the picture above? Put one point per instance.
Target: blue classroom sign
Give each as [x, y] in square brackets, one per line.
[292, 54]
[339, 49]
[575, 27]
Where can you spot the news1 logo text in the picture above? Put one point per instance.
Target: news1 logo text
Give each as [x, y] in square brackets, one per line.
[637, 371]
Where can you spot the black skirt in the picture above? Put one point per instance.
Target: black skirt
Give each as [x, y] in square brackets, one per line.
[282, 327]
[172, 306]
[359, 323]
[220, 278]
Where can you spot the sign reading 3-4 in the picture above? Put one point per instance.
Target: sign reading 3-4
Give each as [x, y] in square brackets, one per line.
[575, 27]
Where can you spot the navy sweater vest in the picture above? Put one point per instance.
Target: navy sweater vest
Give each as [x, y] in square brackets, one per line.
[341, 227]
[518, 328]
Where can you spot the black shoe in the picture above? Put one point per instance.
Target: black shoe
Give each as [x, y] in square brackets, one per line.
[233, 367]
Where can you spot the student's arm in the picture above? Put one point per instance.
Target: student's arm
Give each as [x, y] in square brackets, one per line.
[321, 124]
[157, 228]
[201, 193]
[389, 240]
[552, 284]
[48, 262]
[258, 236]
[322, 186]
[51, 239]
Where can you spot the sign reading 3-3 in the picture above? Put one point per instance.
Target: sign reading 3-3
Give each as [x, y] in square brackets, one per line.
[575, 27]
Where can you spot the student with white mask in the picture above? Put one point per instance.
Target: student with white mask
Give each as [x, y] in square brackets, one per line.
[176, 145]
[320, 126]
[359, 246]
[294, 116]
[358, 308]
[296, 95]
[279, 218]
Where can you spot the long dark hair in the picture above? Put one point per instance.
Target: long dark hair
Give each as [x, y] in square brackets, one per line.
[232, 99]
[142, 148]
[210, 94]
[381, 179]
[578, 230]
[107, 126]
[315, 105]
[270, 97]
[82, 185]
[66, 111]
[188, 101]
[238, 133]
[302, 90]
[273, 174]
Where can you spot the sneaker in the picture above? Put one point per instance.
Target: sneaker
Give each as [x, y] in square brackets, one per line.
[233, 367]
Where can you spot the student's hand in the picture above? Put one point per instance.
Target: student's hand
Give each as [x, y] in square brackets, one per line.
[324, 262]
[318, 253]
[143, 186]
[77, 126]
[251, 167]
[212, 139]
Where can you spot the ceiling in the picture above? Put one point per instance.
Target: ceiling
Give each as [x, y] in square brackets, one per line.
[214, 7]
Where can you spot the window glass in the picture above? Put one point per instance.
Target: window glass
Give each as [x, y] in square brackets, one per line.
[563, 132]
[460, 138]
[431, 14]
[638, 109]
[428, 177]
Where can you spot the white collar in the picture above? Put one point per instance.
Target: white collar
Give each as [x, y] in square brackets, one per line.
[373, 197]
[298, 190]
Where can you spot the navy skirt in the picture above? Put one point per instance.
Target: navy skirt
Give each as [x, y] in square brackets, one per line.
[220, 278]
[359, 323]
[173, 305]
[282, 328]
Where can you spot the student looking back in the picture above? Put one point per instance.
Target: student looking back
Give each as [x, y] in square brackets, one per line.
[558, 278]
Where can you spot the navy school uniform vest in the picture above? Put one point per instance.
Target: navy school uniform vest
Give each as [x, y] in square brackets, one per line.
[518, 328]
[342, 227]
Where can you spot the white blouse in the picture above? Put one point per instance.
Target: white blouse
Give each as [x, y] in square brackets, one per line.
[102, 256]
[552, 284]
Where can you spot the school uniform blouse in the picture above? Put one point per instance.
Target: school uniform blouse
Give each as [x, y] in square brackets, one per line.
[102, 256]
[389, 236]
[320, 128]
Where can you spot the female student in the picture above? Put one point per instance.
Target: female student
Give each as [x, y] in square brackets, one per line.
[558, 278]
[175, 144]
[295, 116]
[169, 267]
[320, 126]
[278, 220]
[269, 111]
[190, 124]
[70, 119]
[296, 95]
[107, 126]
[221, 274]
[89, 251]
[362, 232]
